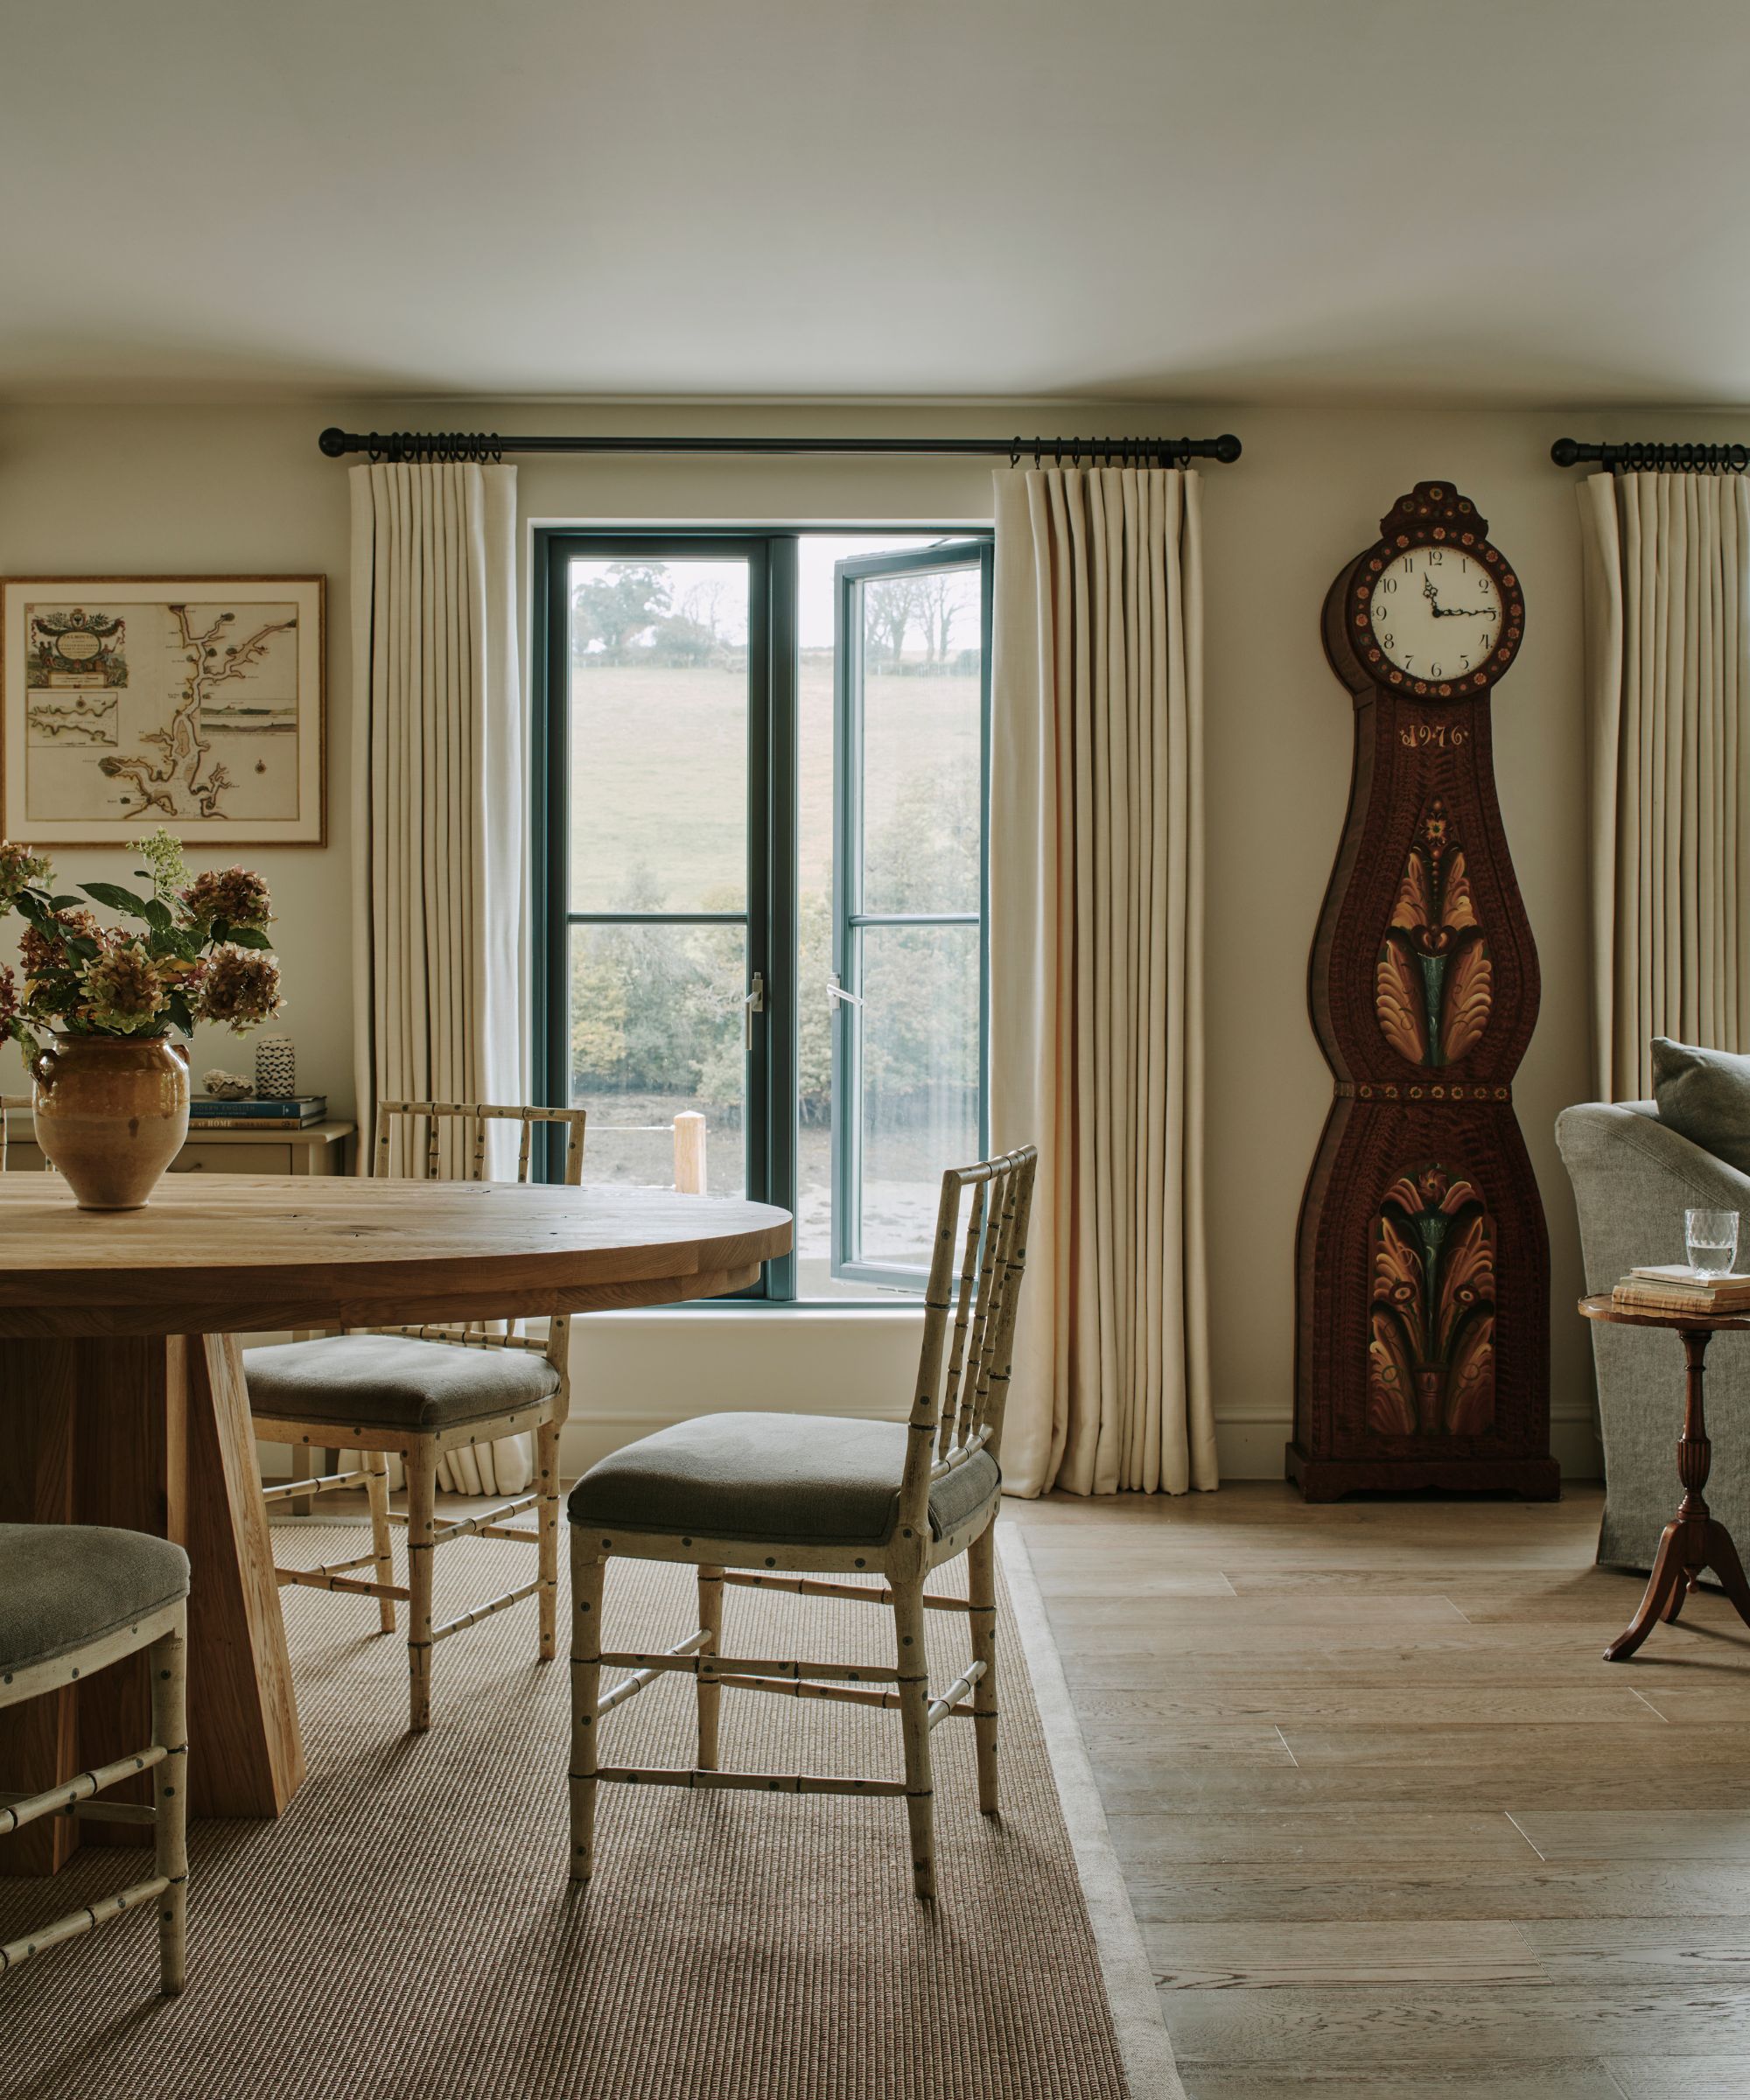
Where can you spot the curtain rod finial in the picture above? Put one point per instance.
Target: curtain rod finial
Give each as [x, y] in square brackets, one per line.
[1565, 451]
[333, 441]
[1226, 448]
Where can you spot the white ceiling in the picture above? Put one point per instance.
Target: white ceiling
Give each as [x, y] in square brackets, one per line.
[1517, 201]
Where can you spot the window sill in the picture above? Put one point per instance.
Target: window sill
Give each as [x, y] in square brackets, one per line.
[737, 1310]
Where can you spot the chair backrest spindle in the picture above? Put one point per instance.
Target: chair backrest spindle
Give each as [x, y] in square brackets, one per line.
[956, 1414]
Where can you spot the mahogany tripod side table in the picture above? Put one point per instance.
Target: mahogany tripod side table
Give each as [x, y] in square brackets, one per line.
[1695, 1539]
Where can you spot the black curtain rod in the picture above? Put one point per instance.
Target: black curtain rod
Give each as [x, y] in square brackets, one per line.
[420, 446]
[1648, 458]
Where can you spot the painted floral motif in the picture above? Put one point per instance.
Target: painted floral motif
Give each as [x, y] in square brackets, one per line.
[1433, 983]
[1431, 1361]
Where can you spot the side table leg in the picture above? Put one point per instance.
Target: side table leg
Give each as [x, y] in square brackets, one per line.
[1694, 1539]
[1664, 1587]
[1722, 1557]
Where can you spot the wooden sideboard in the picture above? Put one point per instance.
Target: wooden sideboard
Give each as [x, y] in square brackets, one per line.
[323, 1148]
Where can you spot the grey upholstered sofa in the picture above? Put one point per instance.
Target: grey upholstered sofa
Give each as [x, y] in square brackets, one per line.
[1633, 1177]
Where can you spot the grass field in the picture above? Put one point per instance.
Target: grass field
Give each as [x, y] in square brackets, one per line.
[659, 774]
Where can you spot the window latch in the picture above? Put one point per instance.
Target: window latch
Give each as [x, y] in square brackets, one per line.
[754, 1003]
[837, 993]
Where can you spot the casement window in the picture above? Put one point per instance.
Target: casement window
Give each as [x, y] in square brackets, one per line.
[760, 770]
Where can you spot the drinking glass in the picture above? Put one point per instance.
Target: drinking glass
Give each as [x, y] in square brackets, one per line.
[1713, 1241]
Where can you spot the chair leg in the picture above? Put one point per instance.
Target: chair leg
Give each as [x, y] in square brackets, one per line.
[547, 1516]
[168, 1665]
[376, 1486]
[981, 1585]
[909, 1627]
[421, 1503]
[711, 1696]
[589, 1574]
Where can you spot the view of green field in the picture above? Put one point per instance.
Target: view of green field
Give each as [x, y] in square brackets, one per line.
[674, 808]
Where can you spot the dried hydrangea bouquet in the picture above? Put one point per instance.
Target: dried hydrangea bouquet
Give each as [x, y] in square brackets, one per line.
[110, 1099]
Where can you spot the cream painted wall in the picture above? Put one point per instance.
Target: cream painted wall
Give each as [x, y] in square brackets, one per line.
[100, 490]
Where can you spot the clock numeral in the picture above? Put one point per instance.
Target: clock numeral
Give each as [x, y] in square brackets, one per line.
[1435, 557]
[1434, 671]
[1390, 584]
[1385, 641]
[1484, 585]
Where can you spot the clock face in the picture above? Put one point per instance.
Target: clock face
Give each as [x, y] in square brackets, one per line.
[1437, 613]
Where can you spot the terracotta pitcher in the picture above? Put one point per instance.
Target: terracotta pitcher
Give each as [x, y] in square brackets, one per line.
[110, 1113]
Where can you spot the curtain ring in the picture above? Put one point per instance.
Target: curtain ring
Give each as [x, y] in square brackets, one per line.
[1015, 454]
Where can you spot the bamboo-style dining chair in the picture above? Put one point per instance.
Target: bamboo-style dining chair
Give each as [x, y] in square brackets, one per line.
[73, 1600]
[420, 1392]
[742, 1496]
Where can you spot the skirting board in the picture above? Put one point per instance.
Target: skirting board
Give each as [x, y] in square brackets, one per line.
[1250, 1448]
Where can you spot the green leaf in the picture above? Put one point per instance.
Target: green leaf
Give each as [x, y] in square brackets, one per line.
[159, 915]
[177, 1006]
[65, 904]
[248, 936]
[117, 898]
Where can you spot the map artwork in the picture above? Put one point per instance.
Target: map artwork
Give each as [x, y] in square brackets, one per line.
[201, 713]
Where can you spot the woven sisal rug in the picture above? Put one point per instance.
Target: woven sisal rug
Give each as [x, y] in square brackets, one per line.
[406, 1931]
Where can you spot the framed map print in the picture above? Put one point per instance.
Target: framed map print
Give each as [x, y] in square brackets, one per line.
[191, 703]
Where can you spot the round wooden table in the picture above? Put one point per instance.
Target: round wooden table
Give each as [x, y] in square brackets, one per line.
[123, 1399]
[1695, 1539]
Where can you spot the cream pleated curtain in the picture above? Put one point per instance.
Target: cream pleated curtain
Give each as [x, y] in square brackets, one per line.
[438, 799]
[1668, 760]
[1096, 972]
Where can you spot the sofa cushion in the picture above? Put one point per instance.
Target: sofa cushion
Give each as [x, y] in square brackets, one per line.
[772, 1480]
[65, 1586]
[393, 1380]
[1704, 1096]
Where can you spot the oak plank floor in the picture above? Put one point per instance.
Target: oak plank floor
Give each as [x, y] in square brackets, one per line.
[1390, 1825]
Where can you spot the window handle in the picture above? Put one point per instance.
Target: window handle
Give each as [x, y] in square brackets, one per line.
[754, 1003]
[835, 991]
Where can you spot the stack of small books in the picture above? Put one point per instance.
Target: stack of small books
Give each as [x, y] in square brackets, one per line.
[1678, 1289]
[209, 1113]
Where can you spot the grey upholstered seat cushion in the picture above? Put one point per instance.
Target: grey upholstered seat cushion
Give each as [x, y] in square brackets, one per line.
[393, 1380]
[63, 1585]
[1704, 1096]
[773, 1479]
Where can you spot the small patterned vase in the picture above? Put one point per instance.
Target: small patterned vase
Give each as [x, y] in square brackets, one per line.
[275, 1067]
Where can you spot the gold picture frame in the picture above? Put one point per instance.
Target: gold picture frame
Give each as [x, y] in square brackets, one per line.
[197, 704]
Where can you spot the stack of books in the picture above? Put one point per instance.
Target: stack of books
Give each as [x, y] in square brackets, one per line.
[207, 1112]
[1678, 1289]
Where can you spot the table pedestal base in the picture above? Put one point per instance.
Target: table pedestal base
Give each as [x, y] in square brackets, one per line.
[1694, 1540]
[1688, 1547]
[152, 1434]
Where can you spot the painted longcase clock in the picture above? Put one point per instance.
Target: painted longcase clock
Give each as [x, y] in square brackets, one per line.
[1422, 1314]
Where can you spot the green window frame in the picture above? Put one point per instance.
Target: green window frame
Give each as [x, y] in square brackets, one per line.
[852, 922]
[771, 1074]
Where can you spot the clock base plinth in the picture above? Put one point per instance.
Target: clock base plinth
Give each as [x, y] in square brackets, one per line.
[1328, 1480]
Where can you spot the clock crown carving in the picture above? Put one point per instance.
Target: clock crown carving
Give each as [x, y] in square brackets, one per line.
[1422, 1338]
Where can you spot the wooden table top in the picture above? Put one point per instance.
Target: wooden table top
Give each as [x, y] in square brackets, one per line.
[1604, 1307]
[244, 1253]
